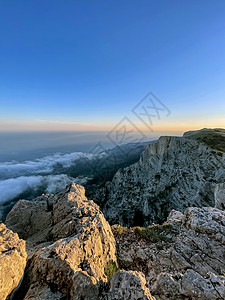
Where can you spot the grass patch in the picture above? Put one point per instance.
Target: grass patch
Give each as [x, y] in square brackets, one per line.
[152, 233]
[120, 229]
[111, 268]
[213, 139]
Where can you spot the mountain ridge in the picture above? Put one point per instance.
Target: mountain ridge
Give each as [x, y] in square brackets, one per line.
[172, 173]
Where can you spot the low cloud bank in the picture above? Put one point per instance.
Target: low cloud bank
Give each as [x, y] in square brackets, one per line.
[10, 188]
[32, 178]
[14, 187]
[41, 166]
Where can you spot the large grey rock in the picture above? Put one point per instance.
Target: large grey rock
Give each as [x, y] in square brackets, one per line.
[12, 260]
[42, 292]
[69, 248]
[128, 286]
[183, 258]
[29, 218]
[172, 173]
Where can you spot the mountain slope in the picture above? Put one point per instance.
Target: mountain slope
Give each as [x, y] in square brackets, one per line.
[214, 138]
[172, 173]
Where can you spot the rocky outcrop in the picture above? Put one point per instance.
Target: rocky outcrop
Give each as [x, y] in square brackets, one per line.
[220, 196]
[182, 258]
[12, 261]
[128, 285]
[32, 220]
[72, 253]
[69, 243]
[172, 173]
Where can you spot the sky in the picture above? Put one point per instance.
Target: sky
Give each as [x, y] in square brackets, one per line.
[85, 65]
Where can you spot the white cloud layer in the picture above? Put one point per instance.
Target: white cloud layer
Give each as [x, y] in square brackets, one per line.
[37, 175]
[41, 166]
[10, 188]
[13, 187]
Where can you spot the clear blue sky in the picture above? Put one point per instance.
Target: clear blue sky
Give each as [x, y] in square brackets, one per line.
[91, 61]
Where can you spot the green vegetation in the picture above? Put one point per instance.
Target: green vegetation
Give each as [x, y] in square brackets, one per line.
[212, 138]
[153, 233]
[111, 268]
[120, 229]
[166, 226]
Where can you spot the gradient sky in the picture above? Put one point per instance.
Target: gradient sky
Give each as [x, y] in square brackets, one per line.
[85, 64]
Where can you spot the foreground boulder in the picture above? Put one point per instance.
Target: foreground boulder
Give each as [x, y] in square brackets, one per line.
[69, 243]
[12, 261]
[71, 251]
[183, 258]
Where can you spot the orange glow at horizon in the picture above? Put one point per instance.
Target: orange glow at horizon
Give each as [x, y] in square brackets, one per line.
[162, 126]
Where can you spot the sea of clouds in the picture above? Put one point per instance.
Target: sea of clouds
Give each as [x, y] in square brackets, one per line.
[40, 166]
[16, 178]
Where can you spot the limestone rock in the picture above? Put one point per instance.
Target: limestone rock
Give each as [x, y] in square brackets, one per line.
[37, 292]
[74, 239]
[12, 260]
[172, 173]
[29, 218]
[220, 196]
[175, 215]
[70, 245]
[182, 258]
[128, 285]
[195, 286]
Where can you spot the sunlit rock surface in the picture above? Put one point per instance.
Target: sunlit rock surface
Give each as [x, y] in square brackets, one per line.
[12, 261]
[73, 255]
[69, 244]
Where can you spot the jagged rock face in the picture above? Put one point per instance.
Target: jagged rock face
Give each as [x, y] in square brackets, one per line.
[71, 245]
[31, 218]
[68, 248]
[220, 196]
[172, 173]
[182, 258]
[42, 292]
[128, 285]
[12, 261]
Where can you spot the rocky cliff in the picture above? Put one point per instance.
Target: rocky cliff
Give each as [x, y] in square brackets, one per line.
[74, 254]
[181, 259]
[172, 173]
[69, 244]
[71, 251]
